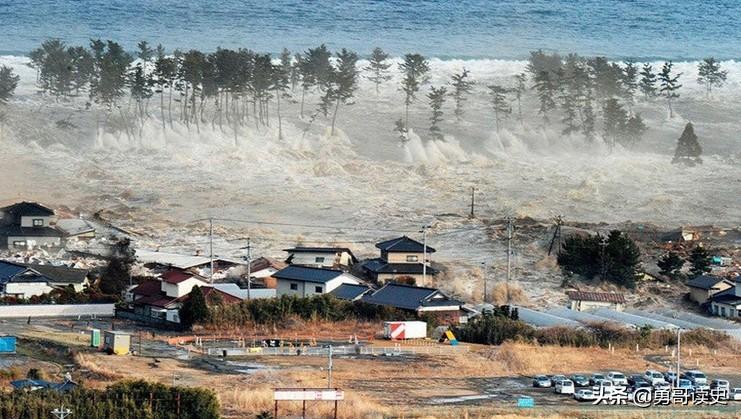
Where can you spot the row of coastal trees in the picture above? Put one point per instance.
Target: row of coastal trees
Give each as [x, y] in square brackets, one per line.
[231, 88]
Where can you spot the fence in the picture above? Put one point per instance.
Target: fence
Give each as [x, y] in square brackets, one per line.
[396, 350]
[22, 311]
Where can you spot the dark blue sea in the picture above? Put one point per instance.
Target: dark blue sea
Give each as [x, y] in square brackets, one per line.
[508, 29]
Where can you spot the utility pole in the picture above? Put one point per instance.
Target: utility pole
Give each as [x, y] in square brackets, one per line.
[329, 368]
[556, 239]
[473, 201]
[484, 272]
[603, 261]
[424, 254]
[679, 346]
[249, 268]
[510, 229]
[211, 247]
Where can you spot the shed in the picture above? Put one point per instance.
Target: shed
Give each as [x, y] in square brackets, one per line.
[588, 300]
[7, 344]
[95, 338]
[116, 342]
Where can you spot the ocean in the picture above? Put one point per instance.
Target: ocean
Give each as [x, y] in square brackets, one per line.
[684, 30]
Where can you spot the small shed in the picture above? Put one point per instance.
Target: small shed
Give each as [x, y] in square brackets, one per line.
[95, 338]
[7, 344]
[589, 300]
[116, 342]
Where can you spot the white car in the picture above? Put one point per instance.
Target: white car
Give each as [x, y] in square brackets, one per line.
[564, 387]
[617, 378]
[654, 377]
[735, 394]
[585, 394]
[696, 377]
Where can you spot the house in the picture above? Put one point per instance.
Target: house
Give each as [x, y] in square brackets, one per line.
[158, 300]
[419, 300]
[589, 300]
[727, 303]
[321, 257]
[350, 292]
[401, 257]
[306, 281]
[163, 261]
[705, 286]
[262, 270]
[27, 280]
[244, 294]
[28, 224]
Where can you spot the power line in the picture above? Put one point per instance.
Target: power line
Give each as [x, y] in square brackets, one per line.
[317, 226]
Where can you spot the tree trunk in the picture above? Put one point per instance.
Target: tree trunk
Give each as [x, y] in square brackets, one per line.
[303, 94]
[280, 122]
[334, 117]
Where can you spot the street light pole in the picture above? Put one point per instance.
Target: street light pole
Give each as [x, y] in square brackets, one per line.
[211, 247]
[249, 268]
[424, 254]
[484, 273]
[329, 368]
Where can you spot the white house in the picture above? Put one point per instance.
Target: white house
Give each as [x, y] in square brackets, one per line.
[28, 280]
[727, 303]
[321, 257]
[306, 281]
[176, 283]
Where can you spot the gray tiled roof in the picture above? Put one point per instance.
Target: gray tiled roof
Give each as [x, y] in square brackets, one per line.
[307, 274]
[27, 209]
[704, 282]
[350, 292]
[409, 297]
[403, 244]
[379, 265]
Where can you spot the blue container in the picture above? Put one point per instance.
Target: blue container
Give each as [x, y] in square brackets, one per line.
[525, 401]
[7, 344]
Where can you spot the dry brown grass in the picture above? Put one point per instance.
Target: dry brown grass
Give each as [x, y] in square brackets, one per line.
[93, 364]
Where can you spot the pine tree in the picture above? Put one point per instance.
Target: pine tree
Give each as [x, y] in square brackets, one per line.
[280, 83]
[670, 265]
[519, 89]
[437, 100]
[165, 71]
[414, 70]
[629, 81]
[700, 260]
[345, 80]
[378, 67]
[498, 102]
[710, 74]
[688, 148]
[669, 85]
[545, 86]
[615, 118]
[633, 130]
[461, 88]
[647, 84]
[8, 83]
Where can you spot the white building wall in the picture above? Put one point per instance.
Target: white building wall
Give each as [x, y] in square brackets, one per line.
[34, 241]
[27, 289]
[27, 221]
[320, 260]
[56, 310]
[308, 289]
[181, 289]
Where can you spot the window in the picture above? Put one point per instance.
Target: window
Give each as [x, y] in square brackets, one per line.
[318, 289]
[723, 311]
[19, 243]
[294, 287]
[38, 222]
[319, 259]
[412, 258]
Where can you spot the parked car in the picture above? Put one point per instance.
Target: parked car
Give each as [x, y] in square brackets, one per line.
[696, 377]
[662, 385]
[564, 387]
[641, 384]
[604, 387]
[636, 378]
[585, 394]
[696, 387]
[580, 380]
[685, 383]
[653, 377]
[617, 378]
[670, 377]
[735, 394]
[556, 378]
[595, 378]
[720, 384]
[541, 381]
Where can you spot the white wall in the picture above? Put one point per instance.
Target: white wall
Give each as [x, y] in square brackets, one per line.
[28, 221]
[56, 310]
[35, 241]
[27, 289]
[308, 289]
[309, 259]
[181, 289]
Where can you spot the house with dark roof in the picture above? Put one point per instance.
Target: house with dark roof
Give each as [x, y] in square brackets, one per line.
[33, 385]
[703, 287]
[306, 281]
[351, 292]
[420, 300]
[321, 257]
[727, 303]
[23, 280]
[28, 224]
[400, 258]
[591, 300]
